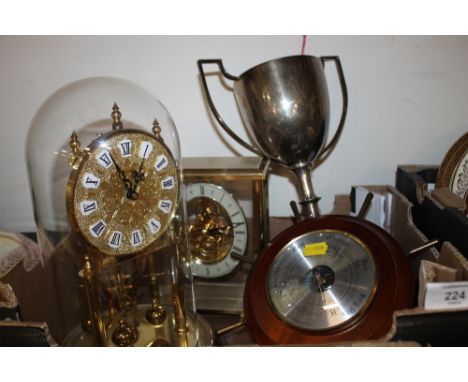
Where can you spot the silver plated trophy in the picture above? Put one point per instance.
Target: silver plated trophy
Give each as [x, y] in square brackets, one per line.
[285, 106]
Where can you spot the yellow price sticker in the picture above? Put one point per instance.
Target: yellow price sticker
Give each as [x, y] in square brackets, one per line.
[315, 249]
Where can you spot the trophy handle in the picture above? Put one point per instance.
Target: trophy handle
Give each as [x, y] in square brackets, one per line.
[344, 92]
[225, 127]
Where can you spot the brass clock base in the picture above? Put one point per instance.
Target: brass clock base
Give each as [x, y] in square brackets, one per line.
[150, 335]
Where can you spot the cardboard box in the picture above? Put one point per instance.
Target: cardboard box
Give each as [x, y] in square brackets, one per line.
[443, 327]
[436, 212]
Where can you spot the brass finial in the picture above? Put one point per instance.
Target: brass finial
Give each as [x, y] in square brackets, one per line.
[156, 314]
[87, 266]
[157, 129]
[116, 116]
[75, 149]
[125, 334]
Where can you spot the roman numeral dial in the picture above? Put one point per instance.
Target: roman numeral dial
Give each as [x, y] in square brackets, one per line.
[124, 193]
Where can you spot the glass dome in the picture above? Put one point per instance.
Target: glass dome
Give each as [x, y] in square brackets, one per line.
[98, 296]
[83, 107]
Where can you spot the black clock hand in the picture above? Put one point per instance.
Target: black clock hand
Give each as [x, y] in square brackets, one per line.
[218, 230]
[139, 175]
[126, 181]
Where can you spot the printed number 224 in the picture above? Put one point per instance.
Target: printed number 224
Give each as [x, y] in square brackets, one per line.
[455, 295]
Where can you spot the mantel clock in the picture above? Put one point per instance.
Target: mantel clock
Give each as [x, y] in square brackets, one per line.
[227, 219]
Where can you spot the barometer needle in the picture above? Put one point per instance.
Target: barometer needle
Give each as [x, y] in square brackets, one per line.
[319, 283]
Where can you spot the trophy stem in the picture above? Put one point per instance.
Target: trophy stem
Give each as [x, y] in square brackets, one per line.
[309, 200]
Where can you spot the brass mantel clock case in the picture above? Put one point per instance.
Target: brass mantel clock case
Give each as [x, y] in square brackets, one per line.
[227, 217]
[106, 173]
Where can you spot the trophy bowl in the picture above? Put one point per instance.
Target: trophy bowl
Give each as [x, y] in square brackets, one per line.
[285, 107]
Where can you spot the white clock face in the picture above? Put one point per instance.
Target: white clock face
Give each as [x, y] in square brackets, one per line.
[217, 230]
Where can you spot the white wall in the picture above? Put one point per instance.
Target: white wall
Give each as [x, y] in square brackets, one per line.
[408, 100]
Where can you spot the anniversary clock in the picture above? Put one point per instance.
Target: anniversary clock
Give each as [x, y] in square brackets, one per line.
[111, 212]
[227, 218]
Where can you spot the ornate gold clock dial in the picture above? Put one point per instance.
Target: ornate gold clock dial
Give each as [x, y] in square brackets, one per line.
[123, 192]
[217, 230]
